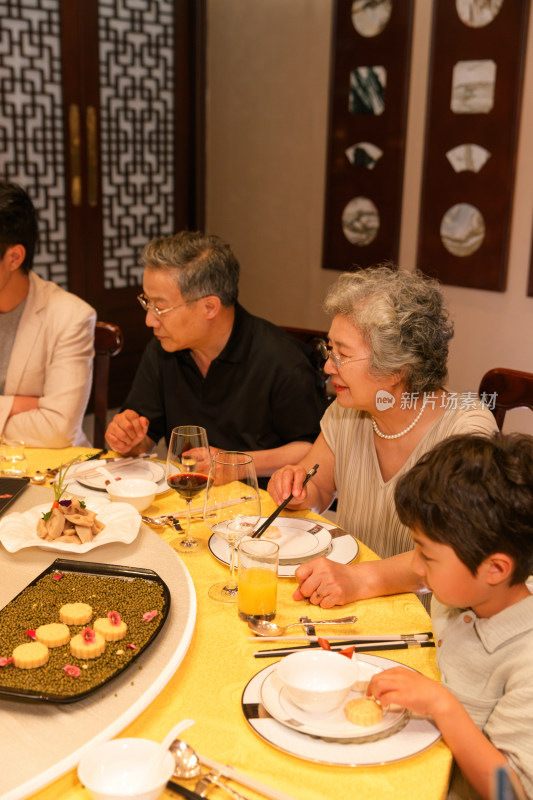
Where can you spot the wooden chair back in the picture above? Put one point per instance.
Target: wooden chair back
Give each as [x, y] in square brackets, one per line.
[502, 389]
[108, 342]
[310, 340]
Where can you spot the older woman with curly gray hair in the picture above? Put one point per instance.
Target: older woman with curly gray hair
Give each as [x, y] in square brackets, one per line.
[387, 359]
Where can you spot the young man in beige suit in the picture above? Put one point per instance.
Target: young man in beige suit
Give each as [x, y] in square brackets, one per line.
[46, 339]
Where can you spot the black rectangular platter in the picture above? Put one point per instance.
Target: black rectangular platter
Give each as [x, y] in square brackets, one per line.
[10, 487]
[69, 568]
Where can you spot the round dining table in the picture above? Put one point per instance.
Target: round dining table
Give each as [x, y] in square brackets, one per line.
[202, 667]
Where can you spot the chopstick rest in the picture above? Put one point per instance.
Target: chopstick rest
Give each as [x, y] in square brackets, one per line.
[260, 531]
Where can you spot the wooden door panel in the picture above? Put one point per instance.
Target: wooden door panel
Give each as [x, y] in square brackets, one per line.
[107, 147]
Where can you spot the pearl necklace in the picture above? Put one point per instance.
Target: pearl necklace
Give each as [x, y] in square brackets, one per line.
[402, 433]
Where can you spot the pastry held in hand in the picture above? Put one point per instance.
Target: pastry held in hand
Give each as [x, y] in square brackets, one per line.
[363, 711]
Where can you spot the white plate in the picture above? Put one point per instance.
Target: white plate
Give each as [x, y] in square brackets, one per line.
[334, 725]
[298, 538]
[122, 523]
[415, 737]
[148, 470]
[343, 548]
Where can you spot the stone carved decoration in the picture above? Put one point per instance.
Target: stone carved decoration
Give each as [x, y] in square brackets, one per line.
[370, 17]
[364, 154]
[468, 157]
[473, 85]
[462, 229]
[360, 221]
[478, 13]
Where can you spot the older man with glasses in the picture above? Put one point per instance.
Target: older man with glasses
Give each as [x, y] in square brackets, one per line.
[211, 363]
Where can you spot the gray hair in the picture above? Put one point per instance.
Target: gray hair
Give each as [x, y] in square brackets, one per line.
[403, 320]
[201, 264]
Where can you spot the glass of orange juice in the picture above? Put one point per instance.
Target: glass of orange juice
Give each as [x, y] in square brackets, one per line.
[258, 578]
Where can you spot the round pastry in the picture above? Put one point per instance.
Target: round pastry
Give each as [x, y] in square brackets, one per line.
[53, 635]
[75, 613]
[87, 646]
[110, 631]
[30, 655]
[364, 711]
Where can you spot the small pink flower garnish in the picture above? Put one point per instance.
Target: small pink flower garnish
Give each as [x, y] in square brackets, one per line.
[88, 635]
[150, 615]
[114, 617]
[132, 647]
[30, 633]
[58, 576]
[4, 661]
[72, 671]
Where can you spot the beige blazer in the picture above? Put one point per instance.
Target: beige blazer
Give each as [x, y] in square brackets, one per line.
[52, 359]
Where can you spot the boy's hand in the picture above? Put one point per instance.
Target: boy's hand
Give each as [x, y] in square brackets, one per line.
[409, 689]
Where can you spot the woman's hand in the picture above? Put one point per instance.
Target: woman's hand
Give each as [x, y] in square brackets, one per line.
[325, 583]
[288, 480]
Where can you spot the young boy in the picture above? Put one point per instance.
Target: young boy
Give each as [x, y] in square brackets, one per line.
[469, 506]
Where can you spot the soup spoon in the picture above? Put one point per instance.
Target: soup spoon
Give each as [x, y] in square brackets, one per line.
[263, 628]
[151, 769]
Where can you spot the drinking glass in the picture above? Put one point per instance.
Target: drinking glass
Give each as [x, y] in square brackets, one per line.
[232, 509]
[12, 458]
[187, 471]
[258, 578]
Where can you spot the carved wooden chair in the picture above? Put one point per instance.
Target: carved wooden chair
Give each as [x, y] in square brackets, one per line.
[502, 389]
[310, 340]
[108, 342]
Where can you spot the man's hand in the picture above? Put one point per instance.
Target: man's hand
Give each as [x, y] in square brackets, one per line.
[126, 431]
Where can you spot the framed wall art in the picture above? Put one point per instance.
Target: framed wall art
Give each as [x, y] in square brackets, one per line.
[475, 87]
[369, 83]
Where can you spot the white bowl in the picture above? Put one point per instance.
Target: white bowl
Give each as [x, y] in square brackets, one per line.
[116, 770]
[138, 492]
[318, 681]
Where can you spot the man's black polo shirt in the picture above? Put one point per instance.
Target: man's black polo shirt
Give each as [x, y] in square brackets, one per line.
[260, 393]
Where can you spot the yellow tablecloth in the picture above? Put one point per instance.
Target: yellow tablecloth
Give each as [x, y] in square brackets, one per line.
[208, 685]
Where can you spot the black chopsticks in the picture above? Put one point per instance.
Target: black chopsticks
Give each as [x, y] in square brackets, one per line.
[188, 793]
[262, 528]
[359, 647]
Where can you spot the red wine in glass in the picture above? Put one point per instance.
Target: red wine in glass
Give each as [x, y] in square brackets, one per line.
[188, 460]
[187, 484]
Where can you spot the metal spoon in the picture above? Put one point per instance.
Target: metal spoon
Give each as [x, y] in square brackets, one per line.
[188, 766]
[159, 522]
[187, 762]
[263, 628]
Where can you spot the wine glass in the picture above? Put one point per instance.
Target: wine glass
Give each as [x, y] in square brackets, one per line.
[232, 509]
[187, 471]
